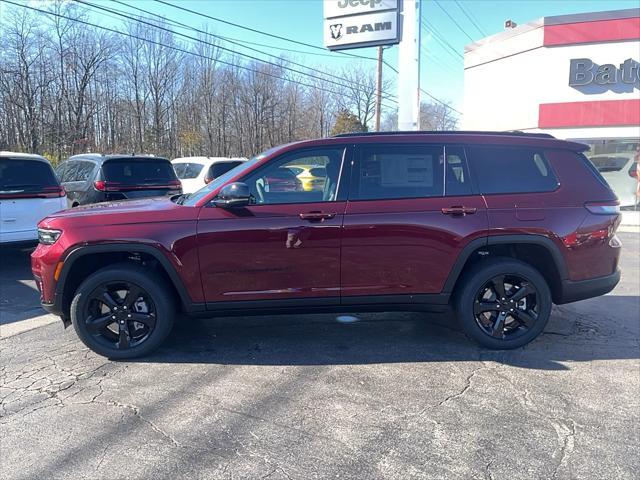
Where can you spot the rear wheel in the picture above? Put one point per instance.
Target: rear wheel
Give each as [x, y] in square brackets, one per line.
[503, 303]
[123, 311]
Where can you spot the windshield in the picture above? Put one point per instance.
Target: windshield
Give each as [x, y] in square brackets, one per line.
[221, 180]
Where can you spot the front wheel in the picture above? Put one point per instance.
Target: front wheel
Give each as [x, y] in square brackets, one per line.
[123, 311]
[503, 303]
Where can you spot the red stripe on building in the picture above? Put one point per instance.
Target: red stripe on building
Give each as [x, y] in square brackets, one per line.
[597, 31]
[603, 113]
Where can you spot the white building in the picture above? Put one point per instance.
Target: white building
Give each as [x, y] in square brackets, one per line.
[574, 76]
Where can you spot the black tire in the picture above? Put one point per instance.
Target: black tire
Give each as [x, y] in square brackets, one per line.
[483, 314]
[154, 307]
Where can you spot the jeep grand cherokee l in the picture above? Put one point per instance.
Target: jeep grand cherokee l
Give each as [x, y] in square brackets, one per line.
[92, 178]
[498, 226]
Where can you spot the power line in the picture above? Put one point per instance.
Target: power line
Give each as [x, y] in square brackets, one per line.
[440, 101]
[239, 43]
[470, 16]
[450, 18]
[227, 22]
[168, 30]
[441, 40]
[178, 49]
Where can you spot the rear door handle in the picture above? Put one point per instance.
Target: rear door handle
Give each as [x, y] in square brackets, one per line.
[459, 210]
[316, 216]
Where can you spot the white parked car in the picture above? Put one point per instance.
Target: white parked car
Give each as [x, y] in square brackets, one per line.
[196, 172]
[619, 170]
[29, 191]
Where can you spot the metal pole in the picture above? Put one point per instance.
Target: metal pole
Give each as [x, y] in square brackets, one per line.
[379, 90]
[409, 68]
[418, 46]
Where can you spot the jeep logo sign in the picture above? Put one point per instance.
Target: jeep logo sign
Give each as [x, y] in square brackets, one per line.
[360, 23]
[583, 71]
[341, 8]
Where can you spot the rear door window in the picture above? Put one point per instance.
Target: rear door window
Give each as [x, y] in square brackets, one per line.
[25, 176]
[511, 170]
[186, 171]
[398, 171]
[138, 172]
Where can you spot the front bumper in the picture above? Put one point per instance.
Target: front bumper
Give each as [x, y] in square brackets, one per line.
[572, 291]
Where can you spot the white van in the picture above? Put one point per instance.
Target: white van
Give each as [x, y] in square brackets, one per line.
[29, 191]
[196, 172]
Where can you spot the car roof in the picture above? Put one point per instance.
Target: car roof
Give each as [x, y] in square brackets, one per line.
[24, 156]
[100, 158]
[541, 140]
[205, 160]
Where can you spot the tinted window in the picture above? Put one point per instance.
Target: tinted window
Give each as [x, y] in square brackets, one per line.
[458, 180]
[83, 172]
[70, 171]
[220, 168]
[25, 175]
[277, 182]
[61, 171]
[399, 171]
[511, 170]
[132, 172]
[187, 170]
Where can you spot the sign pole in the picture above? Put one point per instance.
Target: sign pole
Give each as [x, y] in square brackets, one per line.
[379, 89]
[409, 68]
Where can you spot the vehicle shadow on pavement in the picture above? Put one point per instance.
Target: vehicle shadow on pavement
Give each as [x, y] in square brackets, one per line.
[19, 297]
[571, 336]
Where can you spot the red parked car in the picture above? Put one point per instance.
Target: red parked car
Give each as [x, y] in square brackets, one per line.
[497, 225]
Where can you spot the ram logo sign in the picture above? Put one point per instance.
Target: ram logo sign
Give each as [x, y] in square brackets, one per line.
[361, 31]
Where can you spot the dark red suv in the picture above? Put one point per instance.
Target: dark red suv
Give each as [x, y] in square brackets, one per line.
[497, 225]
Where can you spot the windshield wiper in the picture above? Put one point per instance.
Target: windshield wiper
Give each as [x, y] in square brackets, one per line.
[181, 198]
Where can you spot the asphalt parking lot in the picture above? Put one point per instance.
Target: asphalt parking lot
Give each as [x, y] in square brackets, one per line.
[389, 396]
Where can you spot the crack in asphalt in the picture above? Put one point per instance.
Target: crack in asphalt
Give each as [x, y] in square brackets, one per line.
[136, 413]
[467, 385]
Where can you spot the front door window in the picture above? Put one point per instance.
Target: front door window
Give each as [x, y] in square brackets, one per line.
[309, 176]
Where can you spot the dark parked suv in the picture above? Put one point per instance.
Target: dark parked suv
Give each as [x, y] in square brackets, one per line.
[497, 225]
[93, 178]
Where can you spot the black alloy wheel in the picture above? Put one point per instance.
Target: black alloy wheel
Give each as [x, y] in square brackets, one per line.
[502, 303]
[123, 311]
[120, 314]
[506, 306]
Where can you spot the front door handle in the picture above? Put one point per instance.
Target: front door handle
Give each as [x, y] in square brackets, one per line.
[459, 210]
[316, 216]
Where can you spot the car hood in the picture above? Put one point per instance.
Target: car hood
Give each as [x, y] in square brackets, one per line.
[147, 210]
[144, 205]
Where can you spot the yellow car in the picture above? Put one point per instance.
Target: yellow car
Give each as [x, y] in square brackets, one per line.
[312, 177]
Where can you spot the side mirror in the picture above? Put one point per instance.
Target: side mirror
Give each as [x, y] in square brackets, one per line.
[233, 195]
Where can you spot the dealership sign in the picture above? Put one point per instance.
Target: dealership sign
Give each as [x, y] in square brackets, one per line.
[360, 23]
[583, 71]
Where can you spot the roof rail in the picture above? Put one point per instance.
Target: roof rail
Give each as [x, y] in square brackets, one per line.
[512, 133]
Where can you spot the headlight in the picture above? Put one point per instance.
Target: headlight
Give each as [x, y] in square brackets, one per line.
[48, 236]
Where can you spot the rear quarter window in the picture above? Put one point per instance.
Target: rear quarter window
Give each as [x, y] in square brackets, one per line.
[511, 170]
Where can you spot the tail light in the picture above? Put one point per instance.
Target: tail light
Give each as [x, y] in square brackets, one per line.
[633, 171]
[599, 231]
[100, 185]
[53, 192]
[175, 184]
